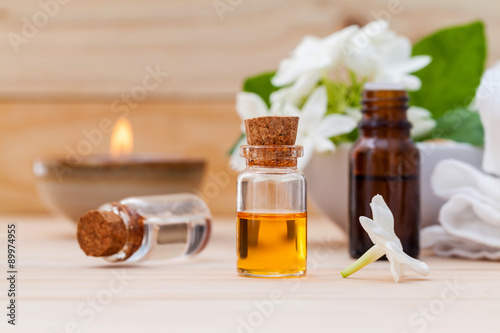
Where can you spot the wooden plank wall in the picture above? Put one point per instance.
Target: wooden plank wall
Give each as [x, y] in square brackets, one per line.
[29, 130]
[63, 76]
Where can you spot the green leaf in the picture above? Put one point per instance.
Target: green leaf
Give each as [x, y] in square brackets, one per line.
[461, 125]
[261, 85]
[458, 59]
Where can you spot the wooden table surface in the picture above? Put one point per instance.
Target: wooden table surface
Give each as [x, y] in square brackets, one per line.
[61, 290]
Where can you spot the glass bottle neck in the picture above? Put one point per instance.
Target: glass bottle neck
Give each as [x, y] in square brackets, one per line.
[384, 114]
[271, 156]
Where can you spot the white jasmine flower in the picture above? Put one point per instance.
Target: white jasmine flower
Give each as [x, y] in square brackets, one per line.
[316, 129]
[308, 63]
[421, 120]
[312, 54]
[380, 55]
[381, 232]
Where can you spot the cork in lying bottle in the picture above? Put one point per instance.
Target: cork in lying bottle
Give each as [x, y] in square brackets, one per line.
[103, 233]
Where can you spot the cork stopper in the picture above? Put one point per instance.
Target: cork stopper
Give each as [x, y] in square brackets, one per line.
[101, 233]
[265, 131]
[271, 142]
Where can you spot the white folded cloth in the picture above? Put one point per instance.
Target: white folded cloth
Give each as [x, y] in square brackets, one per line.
[470, 220]
[447, 245]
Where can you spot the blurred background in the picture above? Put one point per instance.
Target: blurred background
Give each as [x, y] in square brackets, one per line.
[67, 64]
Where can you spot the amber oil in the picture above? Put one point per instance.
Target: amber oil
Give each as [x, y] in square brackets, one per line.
[272, 245]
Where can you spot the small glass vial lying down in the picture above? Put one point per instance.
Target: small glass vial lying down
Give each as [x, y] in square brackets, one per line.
[146, 228]
[271, 203]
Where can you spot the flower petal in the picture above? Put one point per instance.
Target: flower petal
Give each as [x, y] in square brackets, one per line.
[288, 70]
[396, 269]
[311, 54]
[339, 37]
[411, 82]
[416, 113]
[250, 105]
[236, 162]
[422, 128]
[308, 145]
[336, 44]
[291, 110]
[314, 109]
[376, 233]
[322, 145]
[488, 94]
[354, 113]
[412, 64]
[335, 124]
[364, 60]
[376, 29]
[418, 266]
[383, 215]
[395, 254]
[295, 93]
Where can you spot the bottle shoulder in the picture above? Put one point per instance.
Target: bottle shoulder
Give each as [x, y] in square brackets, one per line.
[373, 144]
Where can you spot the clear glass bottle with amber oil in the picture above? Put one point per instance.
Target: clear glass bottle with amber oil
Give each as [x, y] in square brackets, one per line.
[271, 202]
[385, 161]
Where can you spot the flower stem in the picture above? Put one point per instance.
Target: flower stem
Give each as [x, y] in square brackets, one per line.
[373, 254]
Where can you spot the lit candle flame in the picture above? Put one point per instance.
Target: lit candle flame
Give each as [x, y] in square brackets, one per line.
[122, 139]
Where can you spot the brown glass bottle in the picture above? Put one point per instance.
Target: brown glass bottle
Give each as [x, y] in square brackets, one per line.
[384, 160]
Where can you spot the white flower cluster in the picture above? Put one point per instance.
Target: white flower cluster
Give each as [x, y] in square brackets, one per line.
[373, 53]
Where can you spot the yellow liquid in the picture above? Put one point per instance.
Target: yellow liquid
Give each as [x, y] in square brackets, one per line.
[272, 245]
